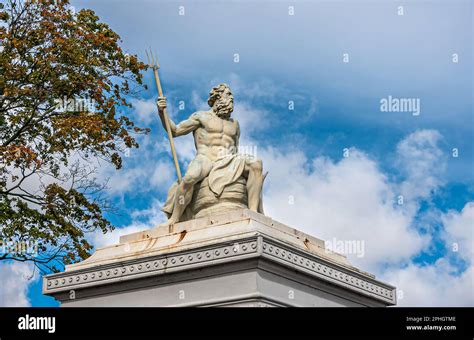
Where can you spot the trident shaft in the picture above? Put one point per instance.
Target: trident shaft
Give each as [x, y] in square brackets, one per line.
[153, 63]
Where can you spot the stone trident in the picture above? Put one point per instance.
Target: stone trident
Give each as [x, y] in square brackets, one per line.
[153, 63]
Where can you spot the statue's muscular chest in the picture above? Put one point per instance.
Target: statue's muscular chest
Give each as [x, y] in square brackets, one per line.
[215, 127]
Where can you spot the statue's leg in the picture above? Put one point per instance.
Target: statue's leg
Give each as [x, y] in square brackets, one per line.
[197, 170]
[253, 168]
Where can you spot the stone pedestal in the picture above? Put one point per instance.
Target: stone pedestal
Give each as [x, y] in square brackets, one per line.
[238, 258]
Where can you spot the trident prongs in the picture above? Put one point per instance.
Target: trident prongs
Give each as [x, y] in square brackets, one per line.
[152, 59]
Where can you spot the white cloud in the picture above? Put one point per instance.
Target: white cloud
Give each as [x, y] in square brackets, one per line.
[458, 231]
[99, 240]
[352, 199]
[162, 174]
[250, 119]
[261, 88]
[141, 220]
[127, 179]
[432, 285]
[422, 162]
[199, 103]
[143, 174]
[347, 200]
[440, 283]
[144, 111]
[185, 148]
[15, 278]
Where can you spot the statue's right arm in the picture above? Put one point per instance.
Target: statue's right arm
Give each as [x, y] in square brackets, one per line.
[184, 127]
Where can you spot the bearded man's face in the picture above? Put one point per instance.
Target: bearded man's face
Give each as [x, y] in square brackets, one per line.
[224, 106]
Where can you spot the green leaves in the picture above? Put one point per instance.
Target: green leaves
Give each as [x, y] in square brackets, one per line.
[50, 56]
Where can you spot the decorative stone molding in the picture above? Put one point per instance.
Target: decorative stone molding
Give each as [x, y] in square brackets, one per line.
[328, 272]
[156, 265]
[260, 246]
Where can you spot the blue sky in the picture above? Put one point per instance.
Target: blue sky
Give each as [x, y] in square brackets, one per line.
[299, 58]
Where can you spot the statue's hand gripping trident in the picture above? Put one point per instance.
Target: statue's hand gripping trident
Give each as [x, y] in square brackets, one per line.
[153, 63]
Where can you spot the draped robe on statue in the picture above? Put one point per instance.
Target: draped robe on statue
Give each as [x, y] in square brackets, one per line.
[225, 183]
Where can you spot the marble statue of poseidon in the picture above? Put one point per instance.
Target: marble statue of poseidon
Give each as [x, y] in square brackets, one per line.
[223, 178]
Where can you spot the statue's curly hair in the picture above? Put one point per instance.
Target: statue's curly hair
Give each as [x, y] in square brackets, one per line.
[216, 93]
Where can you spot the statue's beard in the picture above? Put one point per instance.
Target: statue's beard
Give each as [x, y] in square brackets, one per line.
[224, 108]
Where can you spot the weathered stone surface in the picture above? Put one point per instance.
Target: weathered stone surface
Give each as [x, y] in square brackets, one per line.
[204, 202]
[238, 258]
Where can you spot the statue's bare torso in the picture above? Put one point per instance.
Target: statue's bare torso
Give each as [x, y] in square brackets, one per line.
[215, 136]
